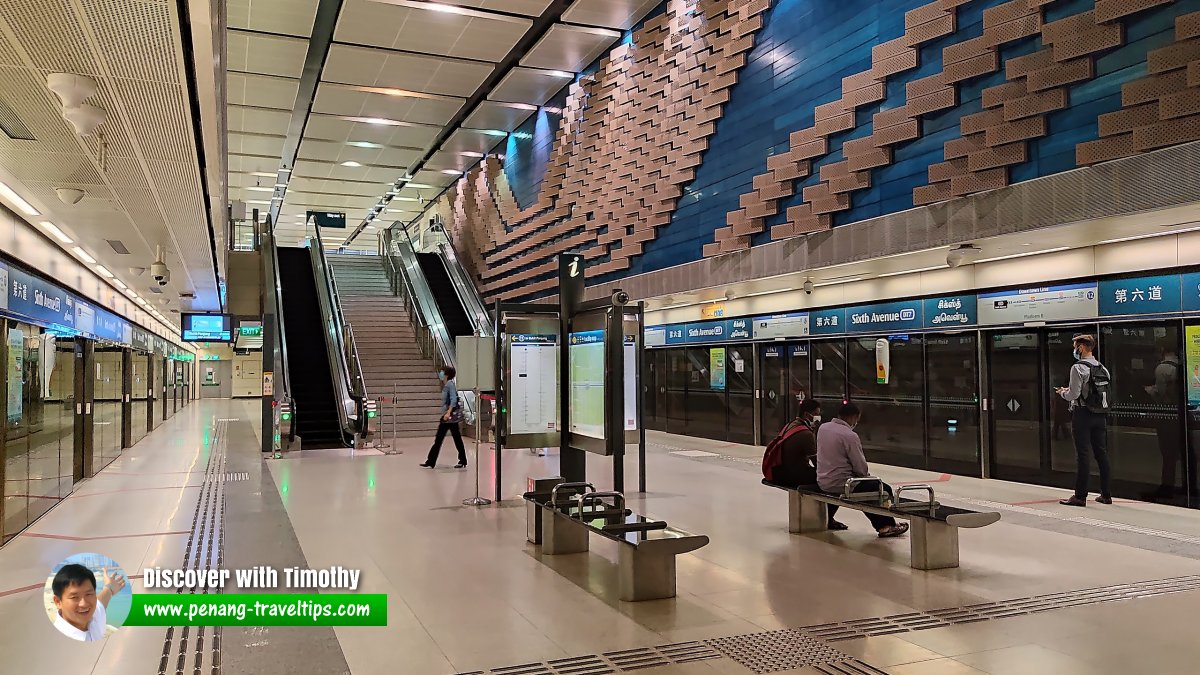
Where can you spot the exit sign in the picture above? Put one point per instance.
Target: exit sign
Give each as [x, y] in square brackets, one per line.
[250, 331]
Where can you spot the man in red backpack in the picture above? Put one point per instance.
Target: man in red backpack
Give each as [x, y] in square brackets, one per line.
[790, 459]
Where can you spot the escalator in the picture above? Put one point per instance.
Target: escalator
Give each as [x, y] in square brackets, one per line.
[444, 294]
[311, 379]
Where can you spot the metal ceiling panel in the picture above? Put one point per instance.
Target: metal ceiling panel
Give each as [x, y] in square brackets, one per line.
[250, 163]
[337, 99]
[569, 48]
[618, 14]
[526, 7]
[473, 140]
[494, 115]
[266, 54]
[256, 144]
[262, 91]
[414, 29]
[382, 68]
[258, 120]
[530, 85]
[290, 17]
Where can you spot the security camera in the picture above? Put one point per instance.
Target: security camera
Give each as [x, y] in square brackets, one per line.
[69, 196]
[808, 287]
[620, 298]
[159, 269]
[962, 254]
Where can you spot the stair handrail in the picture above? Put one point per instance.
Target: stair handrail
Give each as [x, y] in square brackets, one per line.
[402, 289]
[414, 283]
[347, 378]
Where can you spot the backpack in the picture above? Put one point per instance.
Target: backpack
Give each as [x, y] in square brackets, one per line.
[1097, 389]
[773, 457]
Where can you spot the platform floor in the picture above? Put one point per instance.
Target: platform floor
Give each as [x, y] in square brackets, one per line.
[467, 594]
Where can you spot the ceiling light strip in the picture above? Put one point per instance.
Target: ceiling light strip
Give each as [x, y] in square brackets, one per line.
[16, 200]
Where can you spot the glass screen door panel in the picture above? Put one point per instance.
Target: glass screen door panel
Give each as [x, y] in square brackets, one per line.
[675, 399]
[1019, 405]
[739, 385]
[773, 402]
[952, 373]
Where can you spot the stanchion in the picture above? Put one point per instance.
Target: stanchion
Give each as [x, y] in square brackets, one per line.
[477, 500]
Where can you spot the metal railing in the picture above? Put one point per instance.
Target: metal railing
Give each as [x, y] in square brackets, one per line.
[468, 295]
[340, 346]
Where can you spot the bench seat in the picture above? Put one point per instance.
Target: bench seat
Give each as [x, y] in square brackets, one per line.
[933, 536]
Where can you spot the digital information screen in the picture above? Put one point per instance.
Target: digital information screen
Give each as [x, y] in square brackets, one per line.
[206, 328]
[533, 405]
[586, 357]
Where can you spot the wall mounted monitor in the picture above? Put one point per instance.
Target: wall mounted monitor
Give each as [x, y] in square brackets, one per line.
[207, 328]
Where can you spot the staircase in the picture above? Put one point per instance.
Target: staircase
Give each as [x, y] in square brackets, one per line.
[387, 347]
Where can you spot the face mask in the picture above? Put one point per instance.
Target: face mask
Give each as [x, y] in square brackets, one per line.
[1077, 355]
[441, 377]
[816, 418]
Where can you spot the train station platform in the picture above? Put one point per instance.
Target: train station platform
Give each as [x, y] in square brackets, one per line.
[1048, 589]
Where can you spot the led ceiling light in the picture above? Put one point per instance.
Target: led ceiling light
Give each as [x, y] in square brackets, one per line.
[84, 255]
[558, 73]
[259, 188]
[16, 200]
[58, 234]
[351, 163]
[452, 172]
[364, 144]
[103, 271]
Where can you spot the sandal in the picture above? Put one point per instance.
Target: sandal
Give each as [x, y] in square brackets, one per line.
[893, 530]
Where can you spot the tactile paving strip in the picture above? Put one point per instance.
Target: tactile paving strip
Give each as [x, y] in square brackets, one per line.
[778, 650]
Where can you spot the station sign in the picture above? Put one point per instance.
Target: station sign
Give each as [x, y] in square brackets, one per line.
[781, 326]
[1190, 287]
[828, 321]
[1040, 303]
[1141, 295]
[654, 336]
[707, 331]
[951, 311]
[884, 316]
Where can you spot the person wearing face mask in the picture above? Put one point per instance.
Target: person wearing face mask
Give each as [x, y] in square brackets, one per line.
[840, 457]
[1087, 393]
[796, 462]
[451, 417]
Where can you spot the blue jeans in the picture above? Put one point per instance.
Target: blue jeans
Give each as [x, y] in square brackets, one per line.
[1091, 439]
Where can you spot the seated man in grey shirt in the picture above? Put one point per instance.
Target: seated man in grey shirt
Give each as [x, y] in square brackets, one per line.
[840, 457]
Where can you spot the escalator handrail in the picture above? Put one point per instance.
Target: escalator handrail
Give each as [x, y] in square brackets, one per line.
[275, 288]
[349, 404]
[468, 294]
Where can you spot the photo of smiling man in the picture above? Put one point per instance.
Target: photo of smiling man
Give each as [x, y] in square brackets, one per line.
[83, 609]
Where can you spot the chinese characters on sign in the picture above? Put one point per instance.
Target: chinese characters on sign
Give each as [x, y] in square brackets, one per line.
[1140, 295]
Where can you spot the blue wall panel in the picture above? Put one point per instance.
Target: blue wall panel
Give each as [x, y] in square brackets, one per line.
[800, 56]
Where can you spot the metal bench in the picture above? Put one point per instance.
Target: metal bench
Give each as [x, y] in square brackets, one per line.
[562, 518]
[933, 536]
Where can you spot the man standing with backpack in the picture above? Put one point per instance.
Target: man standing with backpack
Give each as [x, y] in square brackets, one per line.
[1089, 394]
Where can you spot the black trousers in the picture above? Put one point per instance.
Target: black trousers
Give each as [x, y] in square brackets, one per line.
[1091, 440]
[452, 427]
[877, 521]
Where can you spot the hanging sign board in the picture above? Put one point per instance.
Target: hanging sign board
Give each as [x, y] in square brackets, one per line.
[1141, 295]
